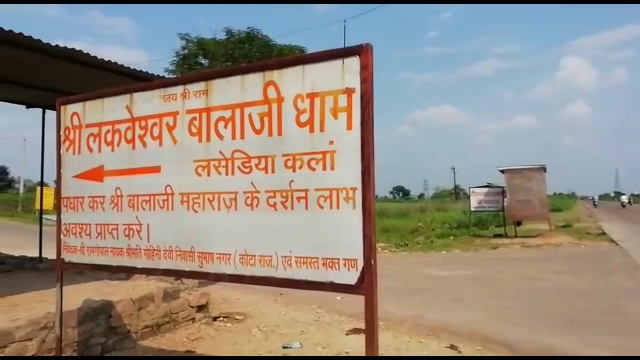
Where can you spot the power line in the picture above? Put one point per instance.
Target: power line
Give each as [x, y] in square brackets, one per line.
[297, 32]
[336, 22]
[366, 11]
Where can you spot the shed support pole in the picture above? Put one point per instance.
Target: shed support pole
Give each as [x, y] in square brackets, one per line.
[40, 213]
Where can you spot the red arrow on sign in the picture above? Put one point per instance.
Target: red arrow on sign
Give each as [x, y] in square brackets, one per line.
[99, 174]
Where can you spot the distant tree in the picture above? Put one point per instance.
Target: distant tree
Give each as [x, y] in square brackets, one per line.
[16, 185]
[7, 182]
[235, 47]
[441, 193]
[31, 188]
[615, 196]
[400, 192]
[571, 194]
[421, 196]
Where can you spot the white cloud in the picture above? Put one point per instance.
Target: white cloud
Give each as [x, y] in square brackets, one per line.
[607, 39]
[44, 9]
[576, 110]
[97, 21]
[619, 55]
[618, 75]
[518, 122]
[432, 34]
[473, 45]
[484, 68]
[480, 44]
[447, 15]
[324, 8]
[602, 45]
[444, 114]
[456, 49]
[126, 55]
[442, 50]
[106, 36]
[118, 26]
[447, 114]
[575, 73]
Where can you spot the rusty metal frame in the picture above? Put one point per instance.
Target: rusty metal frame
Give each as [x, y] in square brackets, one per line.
[367, 283]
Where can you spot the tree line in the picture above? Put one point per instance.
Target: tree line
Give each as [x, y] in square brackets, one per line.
[402, 193]
[11, 184]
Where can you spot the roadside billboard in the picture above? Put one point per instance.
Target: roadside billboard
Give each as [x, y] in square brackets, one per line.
[261, 174]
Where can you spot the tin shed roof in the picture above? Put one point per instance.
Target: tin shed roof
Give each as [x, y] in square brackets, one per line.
[35, 73]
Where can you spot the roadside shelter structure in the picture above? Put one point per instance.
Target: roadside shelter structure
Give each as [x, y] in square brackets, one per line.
[35, 74]
[526, 188]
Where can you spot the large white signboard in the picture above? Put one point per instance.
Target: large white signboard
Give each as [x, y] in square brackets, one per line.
[486, 199]
[257, 174]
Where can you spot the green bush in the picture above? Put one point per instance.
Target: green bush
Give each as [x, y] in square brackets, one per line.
[562, 203]
[434, 223]
[10, 203]
[409, 223]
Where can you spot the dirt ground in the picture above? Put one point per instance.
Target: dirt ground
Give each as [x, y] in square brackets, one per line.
[548, 300]
[258, 324]
[567, 300]
[27, 294]
[242, 323]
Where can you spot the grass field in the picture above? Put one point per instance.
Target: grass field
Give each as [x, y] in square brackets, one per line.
[442, 226]
[422, 225]
[10, 203]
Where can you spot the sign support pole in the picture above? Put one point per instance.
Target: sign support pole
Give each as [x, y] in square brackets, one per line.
[370, 266]
[504, 212]
[371, 327]
[469, 217]
[59, 311]
[41, 212]
[59, 269]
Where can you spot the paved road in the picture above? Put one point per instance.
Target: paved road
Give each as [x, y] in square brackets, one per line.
[623, 225]
[544, 301]
[22, 239]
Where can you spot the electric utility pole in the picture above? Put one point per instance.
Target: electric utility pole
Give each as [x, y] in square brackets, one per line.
[455, 183]
[425, 188]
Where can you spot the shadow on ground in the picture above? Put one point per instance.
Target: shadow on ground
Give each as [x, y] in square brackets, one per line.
[105, 327]
[38, 277]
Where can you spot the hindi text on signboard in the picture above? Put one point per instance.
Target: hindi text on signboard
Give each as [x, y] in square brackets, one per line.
[258, 174]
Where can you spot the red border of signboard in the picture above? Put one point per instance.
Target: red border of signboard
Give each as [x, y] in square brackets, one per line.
[367, 282]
